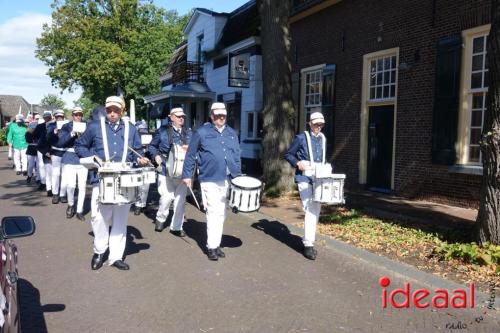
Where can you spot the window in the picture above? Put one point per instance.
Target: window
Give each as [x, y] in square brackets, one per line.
[383, 78]
[254, 125]
[199, 44]
[478, 94]
[312, 94]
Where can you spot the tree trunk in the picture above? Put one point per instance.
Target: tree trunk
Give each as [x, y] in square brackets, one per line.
[488, 218]
[278, 109]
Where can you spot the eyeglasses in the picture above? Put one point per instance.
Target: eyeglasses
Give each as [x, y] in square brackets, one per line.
[219, 116]
[318, 125]
[183, 117]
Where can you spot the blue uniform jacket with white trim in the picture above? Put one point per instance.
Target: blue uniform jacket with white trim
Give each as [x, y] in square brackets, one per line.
[160, 144]
[68, 141]
[298, 151]
[217, 153]
[53, 140]
[91, 143]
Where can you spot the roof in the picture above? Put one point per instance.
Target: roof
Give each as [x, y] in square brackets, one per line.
[243, 22]
[197, 12]
[9, 105]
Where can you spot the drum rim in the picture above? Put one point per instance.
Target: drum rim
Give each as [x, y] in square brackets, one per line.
[247, 187]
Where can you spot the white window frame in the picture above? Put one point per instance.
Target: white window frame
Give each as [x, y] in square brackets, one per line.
[392, 73]
[308, 108]
[255, 124]
[466, 96]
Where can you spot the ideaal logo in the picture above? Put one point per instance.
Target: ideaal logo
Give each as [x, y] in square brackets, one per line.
[423, 298]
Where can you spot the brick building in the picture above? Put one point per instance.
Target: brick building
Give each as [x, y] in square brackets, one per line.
[404, 84]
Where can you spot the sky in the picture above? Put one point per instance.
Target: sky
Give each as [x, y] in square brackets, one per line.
[21, 21]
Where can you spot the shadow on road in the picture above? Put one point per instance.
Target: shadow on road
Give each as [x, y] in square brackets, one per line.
[30, 197]
[279, 231]
[31, 309]
[134, 234]
[198, 231]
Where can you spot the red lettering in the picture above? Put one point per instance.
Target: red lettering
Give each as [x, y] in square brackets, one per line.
[416, 298]
[441, 294]
[460, 294]
[405, 293]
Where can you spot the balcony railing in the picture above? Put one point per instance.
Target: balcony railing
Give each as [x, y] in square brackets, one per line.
[187, 71]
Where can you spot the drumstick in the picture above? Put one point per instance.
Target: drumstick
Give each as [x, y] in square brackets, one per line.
[139, 155]
[194, 197]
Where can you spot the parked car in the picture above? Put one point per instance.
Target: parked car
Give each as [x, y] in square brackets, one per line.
[11, 227]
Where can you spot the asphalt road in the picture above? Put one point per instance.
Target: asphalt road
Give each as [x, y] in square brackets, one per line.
[263, 285]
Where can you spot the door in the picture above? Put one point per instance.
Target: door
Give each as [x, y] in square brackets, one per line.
[380, 141]
[234, 116]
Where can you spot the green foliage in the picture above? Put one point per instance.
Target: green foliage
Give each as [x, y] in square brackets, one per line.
[52, 101]
[87, 105]
[3, 137]
[102, 45]
[488, 254]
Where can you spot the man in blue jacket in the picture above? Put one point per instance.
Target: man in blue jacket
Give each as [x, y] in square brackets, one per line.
[57, 152]
[92, 143]
[72, 169]
[170, 189]
[299, 156]
[217, 149]
[43, 153]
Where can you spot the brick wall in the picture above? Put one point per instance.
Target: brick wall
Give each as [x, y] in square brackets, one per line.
[414, 26]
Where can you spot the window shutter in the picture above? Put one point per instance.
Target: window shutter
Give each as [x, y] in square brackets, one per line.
[296, 90]
[446, 99]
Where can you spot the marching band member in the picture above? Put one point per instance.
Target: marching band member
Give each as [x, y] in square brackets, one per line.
[298, 157]
[140, 205]
[17, 139]
[118, 135]
[31, 151]
[170, 188]
[217, 149]
[72, 169]
[57, 152]
[44, 166]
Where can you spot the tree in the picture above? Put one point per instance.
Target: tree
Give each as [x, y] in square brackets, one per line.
[87, 105]
[105, 45]
[488, 217]
[52, 101]
[278, 109]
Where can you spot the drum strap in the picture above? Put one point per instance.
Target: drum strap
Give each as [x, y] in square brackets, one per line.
[105, 140]
[309, 147]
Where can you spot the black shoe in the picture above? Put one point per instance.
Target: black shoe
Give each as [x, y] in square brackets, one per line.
[25, 173]
[41, 187]
[49, 193]
[120, 264]
[18, 173]
[137, 210]
[178, 233]
[212, 254]
[310, 252]
[64, 199]
[80, 217]
[159, 226]
[55, 199]
[97, 261]
[220, 253]
[70, 212]
[28, 180]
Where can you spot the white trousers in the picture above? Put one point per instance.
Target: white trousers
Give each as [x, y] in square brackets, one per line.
[32, 168]
[104, 216]
[214, 195]
[70, 174]
[56, 173]
[20, 160]
[40, 167]
[312, 210]
[143, 196]
[10, 151]
[171, 189]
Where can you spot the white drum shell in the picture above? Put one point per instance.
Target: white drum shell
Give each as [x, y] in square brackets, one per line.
[244, 198]
[175, 161]
[110, 192]
[149, 175]
[329, 190]
[131, 178]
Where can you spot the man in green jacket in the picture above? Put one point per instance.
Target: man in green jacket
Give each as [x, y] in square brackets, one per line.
[16, 138]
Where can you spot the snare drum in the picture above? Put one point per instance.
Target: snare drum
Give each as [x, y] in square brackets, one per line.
[149, 175]
[329, 190]
[111, 193]
[175, 161]
[244, 194]
[131, 178]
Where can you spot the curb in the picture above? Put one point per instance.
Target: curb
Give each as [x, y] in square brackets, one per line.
[398, 269]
